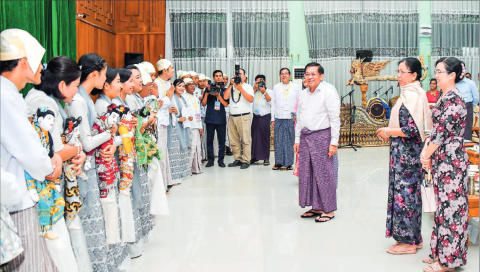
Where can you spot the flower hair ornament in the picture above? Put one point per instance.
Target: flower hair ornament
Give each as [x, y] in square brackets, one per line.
[464, 70]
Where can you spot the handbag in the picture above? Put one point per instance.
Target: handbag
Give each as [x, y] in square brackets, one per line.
[429, 200]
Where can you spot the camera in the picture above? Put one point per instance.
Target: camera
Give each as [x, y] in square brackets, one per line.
[237, 79]
[261, 84]
[214, 88]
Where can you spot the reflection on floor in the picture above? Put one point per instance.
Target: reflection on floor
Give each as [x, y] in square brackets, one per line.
[249, 220]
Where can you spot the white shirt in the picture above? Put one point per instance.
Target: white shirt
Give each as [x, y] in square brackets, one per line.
[283, 101]
[260, 104]
[319, 110]
[194, 107]
[78, 108]
[162, 114]
[21, 149]
[10, 193]
[35, 99]
[242, 106]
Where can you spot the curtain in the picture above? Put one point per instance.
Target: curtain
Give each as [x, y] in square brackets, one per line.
[52, 23]
[261, 38]
[455, 33]
[336, 31]
[208, 35]
[198, 35]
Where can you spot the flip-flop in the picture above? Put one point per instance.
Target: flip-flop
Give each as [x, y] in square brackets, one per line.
[428, 260]
[402, 251]
[329, 219]
[290, 168]
[435, 267]
[310, 216]
[420, 246]
[278, 166]
[266, 163]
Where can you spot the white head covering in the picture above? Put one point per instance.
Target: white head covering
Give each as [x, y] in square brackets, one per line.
[192, 73]
[201, 77]
[208, 79]
[187, 80]
[17, 43]
[144, 73]
[163, 64]
[148, 67]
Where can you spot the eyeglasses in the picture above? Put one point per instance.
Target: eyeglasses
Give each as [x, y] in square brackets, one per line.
[311, 75]
[403, 72]
[440, 72]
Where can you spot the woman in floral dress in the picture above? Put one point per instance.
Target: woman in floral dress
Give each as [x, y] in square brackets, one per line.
[449, 164]
[409, 122]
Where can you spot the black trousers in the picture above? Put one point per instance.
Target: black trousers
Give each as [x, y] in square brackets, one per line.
[469, 122]
[221, 132]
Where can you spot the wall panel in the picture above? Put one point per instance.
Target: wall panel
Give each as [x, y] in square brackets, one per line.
[112, 28]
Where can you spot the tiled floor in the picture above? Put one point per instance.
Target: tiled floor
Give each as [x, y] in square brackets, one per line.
[249, 220]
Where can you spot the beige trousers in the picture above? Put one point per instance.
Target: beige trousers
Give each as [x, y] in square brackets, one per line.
[239, 130]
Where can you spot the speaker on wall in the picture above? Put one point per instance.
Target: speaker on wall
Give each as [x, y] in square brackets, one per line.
[133, 58]
[367, 54]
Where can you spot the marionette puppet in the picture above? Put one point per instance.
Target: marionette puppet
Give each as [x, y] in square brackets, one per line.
[126, 151]
[145, 143]
[126, 157]
[106, 171]
[51, 204]
[73, 204]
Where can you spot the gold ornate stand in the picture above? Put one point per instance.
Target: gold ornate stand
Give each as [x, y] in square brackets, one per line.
[364, 89]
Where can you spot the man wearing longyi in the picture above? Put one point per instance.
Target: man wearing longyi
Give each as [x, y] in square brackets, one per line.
[316, 140]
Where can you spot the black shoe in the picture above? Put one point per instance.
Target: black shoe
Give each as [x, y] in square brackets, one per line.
[253, 161]
[235, 163]
[210, 164]
[221, 164]
[245, 165]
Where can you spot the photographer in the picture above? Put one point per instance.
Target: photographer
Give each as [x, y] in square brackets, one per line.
[239, 122]
[261, 122]
[215, 118]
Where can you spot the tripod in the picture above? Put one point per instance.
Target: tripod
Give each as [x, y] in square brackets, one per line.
[350, 142]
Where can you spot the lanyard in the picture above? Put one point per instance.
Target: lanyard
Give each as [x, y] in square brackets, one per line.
[194, 104]
[288, 90]
[259, 96]
[163, 86]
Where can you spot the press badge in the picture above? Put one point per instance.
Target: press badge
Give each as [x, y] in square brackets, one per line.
[285, 107]
[217, 105]
[198, 117]
[257, 111]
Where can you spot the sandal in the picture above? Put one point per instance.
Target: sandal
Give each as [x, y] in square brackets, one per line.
[266, 163]
[289, 167]
[312, 214]
[277, 166]
[428, 260]
[402, 251]
[420, 246]
[321, 221]
[437, 268]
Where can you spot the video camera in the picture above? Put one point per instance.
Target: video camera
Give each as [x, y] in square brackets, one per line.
[237, 79]
[214, 88]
